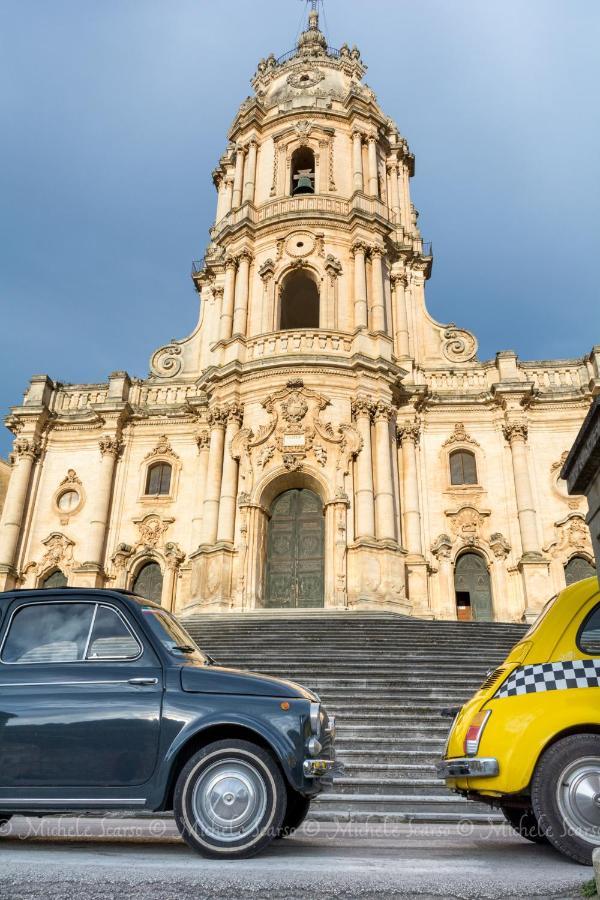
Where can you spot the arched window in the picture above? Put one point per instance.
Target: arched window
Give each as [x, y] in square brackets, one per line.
[56, 579]
[148, 582]
[303, 171]
[158, 480]
[577, 569]
[299, 301]
[463, 469]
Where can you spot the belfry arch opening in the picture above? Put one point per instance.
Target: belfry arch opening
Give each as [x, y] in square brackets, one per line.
[303, 171]
[299, 301]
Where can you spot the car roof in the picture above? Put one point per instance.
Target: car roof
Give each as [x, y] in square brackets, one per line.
[60, 593]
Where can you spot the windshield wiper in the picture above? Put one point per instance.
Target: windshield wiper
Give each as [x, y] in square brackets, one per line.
[184, 648]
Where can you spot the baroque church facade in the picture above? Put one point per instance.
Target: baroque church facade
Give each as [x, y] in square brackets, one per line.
[319, 440]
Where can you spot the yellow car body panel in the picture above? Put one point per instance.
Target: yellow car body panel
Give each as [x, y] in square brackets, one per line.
[520, 727]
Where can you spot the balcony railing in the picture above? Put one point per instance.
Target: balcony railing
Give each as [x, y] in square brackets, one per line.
[331, 51]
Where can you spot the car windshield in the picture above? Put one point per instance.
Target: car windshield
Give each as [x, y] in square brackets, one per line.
[171, 634]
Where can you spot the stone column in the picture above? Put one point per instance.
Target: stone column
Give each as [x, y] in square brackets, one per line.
[357, 162]
[25, 452]
[516, 435]
[408, 435]
[242, 291]
[384, 485]
[226, 323]
[365, 512]
[229, 481]
[401, 341]
[378, 301]
[214, 473]
[203, 442]
[395, 193]
[359, 250]
[238, 178]
[403, 183]
[442, 550]
[250, 173]
[266, 272]
[100, 501]
[228, 202]
[372, 155]
[219, 184]
[174, 557]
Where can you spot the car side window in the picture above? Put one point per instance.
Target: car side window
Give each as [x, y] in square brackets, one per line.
[589, 636]
[48, 633]
[111, 638]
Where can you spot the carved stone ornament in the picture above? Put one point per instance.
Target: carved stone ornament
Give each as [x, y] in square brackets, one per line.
[70, 478]
[409, 431]
[163, 448]
[458, 344]
[333, 266]
[203, 440]
[152, 529]
[459, 436]
[467, 524]
[25, 448]
[500, 546]
[174, 555]
[305, 78]
[166, 362]
[570, 534]
[300, 244]
[121, 556]
[267, 270]
[59, 552]
[442, 547]
[320, 454]
[294, 408]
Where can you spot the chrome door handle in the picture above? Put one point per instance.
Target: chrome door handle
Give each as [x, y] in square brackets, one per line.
[140, 682]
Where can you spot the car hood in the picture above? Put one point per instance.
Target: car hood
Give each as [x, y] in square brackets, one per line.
[221, 680]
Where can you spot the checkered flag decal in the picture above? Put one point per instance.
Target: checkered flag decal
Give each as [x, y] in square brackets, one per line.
[556, 676]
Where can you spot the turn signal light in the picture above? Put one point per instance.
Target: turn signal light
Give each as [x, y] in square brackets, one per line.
[474, 732]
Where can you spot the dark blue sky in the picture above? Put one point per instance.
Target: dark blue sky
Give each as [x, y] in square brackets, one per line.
[114, 112]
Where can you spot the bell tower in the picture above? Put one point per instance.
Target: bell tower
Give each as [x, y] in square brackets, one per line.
[311, 285]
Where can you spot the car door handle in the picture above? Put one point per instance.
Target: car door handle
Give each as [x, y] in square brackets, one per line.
[141, 682]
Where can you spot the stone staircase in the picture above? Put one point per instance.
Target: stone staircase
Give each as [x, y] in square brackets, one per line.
[386, 677]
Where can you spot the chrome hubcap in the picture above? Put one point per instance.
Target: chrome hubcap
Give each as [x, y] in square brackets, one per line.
[229, 799]
[578, 796]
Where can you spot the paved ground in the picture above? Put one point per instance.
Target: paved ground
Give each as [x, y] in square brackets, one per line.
[118, 858]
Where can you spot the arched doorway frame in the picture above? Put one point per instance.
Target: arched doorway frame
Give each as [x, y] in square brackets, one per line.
[577, 554]
[257, 515]
[476, 550]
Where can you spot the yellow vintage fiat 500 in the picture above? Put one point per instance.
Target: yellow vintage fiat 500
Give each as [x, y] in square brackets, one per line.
[528, 741]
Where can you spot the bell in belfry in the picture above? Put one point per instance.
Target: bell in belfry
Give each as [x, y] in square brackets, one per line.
[305, 179]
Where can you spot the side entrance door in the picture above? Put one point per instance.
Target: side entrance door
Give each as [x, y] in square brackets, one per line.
[473, 588]
[295, 551]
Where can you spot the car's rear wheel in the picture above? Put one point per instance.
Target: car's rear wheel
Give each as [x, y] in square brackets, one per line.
[295, 814]
[566, 795]
[524, 823]
[230, 800]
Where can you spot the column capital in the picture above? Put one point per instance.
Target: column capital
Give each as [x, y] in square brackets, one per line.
[377, 251]
[234, 413]
[357, 133]
[392, 166]
[25, 448]
[409, 431]
[383, 411]
[240, 149]
[230, 262]
[399, 278]
[217, 417]
[361, 407]
[203, 440]
[245, 255]
[174, 556]
[218, 291]
[442, 547]
[359, 247]
[515, 431]
[110, 445]
[372, 138]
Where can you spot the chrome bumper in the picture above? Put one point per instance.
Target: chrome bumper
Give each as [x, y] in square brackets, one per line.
[468, 767]
[321, 768]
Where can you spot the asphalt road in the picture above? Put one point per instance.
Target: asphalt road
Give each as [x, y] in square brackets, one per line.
[98, 859]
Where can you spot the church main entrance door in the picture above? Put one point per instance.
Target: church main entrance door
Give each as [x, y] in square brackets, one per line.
[473, 589]
[295, 551]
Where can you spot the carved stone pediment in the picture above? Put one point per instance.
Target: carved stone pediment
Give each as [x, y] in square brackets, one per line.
[467, 524]
[152, 530]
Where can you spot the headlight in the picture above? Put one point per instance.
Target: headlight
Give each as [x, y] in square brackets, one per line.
[314, 746]
[315, 718]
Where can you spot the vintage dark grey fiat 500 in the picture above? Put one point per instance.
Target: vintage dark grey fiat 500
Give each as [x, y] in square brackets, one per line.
[107, 703]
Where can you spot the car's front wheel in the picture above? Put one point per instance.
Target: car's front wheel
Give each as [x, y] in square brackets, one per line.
[295, 814]
[524, 823]
[230, 800]
[565, 793]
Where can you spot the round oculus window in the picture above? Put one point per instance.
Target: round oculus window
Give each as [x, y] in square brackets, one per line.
[68, 501]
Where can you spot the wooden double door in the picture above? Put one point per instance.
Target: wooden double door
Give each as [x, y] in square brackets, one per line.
[295, 551]
[473, 589]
